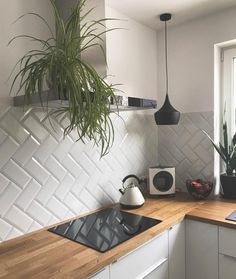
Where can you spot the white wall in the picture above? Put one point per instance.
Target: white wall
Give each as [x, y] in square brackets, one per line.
[191, 60]
[9, 55]
[132, 56]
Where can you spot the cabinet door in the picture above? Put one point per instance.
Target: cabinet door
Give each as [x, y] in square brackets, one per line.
[102, 274]
[161, 272]
[139, 261]
[227, 267]
[177, 251]
[201, 250]
[227, 241]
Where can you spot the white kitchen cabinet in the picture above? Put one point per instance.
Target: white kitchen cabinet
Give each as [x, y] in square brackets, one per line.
[227, 267]
[131, 53]
[201, 250]
[101, 274]
[160, 272]
[227, 250]
[138, 263]
[227, 241]
[177, 251]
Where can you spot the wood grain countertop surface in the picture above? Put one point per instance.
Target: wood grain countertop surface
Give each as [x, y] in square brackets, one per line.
[44, 255]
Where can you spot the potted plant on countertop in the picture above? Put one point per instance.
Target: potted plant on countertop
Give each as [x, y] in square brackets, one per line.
[227, 152]
[58, 65]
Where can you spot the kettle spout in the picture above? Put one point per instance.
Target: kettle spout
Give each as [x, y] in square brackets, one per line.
[121, 191]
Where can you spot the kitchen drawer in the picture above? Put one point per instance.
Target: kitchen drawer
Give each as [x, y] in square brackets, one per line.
[227, 267]
[227, 241]
[140, 260]
[101, 274]
[160, 272]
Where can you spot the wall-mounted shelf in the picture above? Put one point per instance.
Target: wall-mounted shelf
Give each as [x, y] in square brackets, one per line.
[49, 99]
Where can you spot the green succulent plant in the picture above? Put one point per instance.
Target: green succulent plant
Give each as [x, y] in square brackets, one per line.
[227, 151]
[58, 65]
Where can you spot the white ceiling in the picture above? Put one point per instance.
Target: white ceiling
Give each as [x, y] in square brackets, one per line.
[148, 11]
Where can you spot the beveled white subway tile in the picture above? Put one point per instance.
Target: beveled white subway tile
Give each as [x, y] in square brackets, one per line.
[28, 195]
[3, 136]
[53, 220]
[39, 213]
[84, 161]
[34, 227]
[80, 183]
[5, 228]
[19, 219]
[8, 197]
[72, 166]
[89, 200]
[57, 208]
[34, 127]
[16, 174]
[47, 190]
[46, 149]
[55, 168]
[65, 186]
[54, 128]
[13, 128]
[3, 182]
[37, 171]
[13, 233]
[26, 151]
[63, 148]
[73, 203]
[7, 149]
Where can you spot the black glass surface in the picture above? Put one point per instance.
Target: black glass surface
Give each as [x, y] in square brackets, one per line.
[105, 229]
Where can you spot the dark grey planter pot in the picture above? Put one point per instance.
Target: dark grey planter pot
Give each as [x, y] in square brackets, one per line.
[228, 184]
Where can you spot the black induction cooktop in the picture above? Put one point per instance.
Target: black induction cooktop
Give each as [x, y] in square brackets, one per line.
[105, 229]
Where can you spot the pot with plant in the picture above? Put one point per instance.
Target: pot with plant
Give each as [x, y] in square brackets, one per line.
[57, 65]
[227, 152]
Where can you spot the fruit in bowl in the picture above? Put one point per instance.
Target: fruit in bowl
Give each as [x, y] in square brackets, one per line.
[199, 188]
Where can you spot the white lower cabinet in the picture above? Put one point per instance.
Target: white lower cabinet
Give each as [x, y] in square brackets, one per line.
[160, 272]
[177, 251]
[227, 267]
[102, 274]
[136, 264]
[201, 250]
[161, 258]
[227, 250]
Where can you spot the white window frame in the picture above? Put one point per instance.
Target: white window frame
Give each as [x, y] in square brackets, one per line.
[219, 56]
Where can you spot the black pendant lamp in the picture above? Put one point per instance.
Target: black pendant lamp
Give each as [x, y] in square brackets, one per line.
[167, 114]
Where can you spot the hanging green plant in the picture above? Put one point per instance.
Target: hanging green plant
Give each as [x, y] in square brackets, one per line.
[58, 65]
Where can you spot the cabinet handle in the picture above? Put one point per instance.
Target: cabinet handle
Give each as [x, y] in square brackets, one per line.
[152, 268]
[228, 256]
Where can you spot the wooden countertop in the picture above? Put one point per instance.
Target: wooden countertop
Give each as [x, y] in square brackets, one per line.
[42, 254]
[214, 212]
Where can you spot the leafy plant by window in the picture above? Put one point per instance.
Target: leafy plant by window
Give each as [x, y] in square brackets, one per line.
[58, 64]
[227, 151]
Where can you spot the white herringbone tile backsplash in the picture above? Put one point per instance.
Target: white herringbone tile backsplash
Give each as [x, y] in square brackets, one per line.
[187, 148]
[45, 178]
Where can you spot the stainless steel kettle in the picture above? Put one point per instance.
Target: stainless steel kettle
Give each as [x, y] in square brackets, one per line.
[131, 195]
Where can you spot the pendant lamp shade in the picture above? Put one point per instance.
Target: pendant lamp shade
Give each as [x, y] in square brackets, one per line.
[167, 114]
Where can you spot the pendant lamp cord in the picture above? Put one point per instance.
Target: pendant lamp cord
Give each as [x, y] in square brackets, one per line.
[166, 58]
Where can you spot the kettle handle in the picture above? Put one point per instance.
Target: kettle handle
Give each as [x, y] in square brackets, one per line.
[129, 176]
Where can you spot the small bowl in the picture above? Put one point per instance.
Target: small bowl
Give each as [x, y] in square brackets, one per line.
[199, 189]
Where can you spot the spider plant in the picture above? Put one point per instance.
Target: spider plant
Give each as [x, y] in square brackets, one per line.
[57, 64]
[226, 151]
